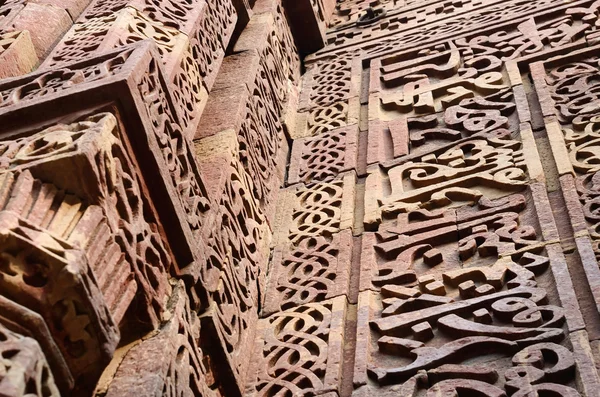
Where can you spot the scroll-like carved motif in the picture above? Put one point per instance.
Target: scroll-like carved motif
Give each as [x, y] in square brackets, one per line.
[321, 209]
[408, 250]
[316, 270]
[174, 148]
[261, 141]
[383, 37]
[59, 80]
[323, 119]
[235, 273]
[125, 27]
[400, 22]
[23, 367]
[571, 91]
[324, 156]
[438, 79]
[491, 163]
[299, 351]
[331, 83]
[523, 39]
[447, 286]
[573, 88]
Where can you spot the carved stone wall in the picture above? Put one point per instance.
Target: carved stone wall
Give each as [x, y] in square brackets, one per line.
[299, 198]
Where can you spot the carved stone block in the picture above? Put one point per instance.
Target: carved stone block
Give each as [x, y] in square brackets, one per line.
[247, 232]
[299, 350]
[319, 120]
[495, 167]
[191, 48]
[436, 288]
[236, 260]
[326, 83]
[250, 104]
[279, 63]
[17, 54]
[46, 24]
[131, 79]
[316, 270]
[325, 156]
[84, 227]
[113, 247]
[319, 209]
[378, 33]
[170, 363]
[49, 276]
[237, 70]
[24, 368]
[566, 90]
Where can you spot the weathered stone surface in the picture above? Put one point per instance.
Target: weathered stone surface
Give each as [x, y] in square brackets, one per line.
[170, 363]
[121, 246]
[189, 205]
[320, 209]
[316, 270]
[24, 367]
[132, 78]
[236, 260]
[324, 156]
[52, 278]
[299, 350]
[17, 54]
[46, 23]
[191, 39]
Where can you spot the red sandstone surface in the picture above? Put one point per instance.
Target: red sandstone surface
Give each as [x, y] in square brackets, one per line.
[269, 198]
